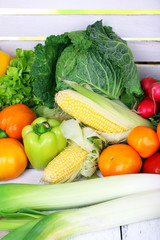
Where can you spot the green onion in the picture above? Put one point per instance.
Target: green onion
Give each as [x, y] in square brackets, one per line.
[126, 210]
[75, 194]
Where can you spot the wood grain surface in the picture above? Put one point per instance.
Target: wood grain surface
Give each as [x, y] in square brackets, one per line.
[142, 33]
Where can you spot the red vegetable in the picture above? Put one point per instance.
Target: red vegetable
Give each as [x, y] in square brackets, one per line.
[146, 97]
[146, 83]
[152, 164]
[147, 108]
[154, 91]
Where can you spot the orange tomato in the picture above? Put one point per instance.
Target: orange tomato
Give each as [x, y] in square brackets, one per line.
[158, 131]
[119, 159]
[13, 159]
[14, 118]
[144, 140]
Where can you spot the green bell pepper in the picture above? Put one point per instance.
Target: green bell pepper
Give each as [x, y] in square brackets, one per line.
[43, 140]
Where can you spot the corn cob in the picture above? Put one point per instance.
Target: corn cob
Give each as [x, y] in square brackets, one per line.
[65, 166]
[86, 111]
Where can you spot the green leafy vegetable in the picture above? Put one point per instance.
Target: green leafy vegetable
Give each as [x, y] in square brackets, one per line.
[43, 68]
[96, 58]
[99, 58]
[17, 85]
[131, 101]
[30, 77]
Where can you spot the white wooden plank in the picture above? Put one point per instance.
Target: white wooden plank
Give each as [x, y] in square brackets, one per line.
[82, 4]
[142, 51]
[149, 70]
[124, 26]
[40, 26]
[145, 51]
[30, 176]
[149, 230]
[109, 234]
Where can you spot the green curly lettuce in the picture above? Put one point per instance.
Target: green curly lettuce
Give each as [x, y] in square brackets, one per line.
[16, 86]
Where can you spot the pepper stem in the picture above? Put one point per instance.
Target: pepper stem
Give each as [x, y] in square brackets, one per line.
[3, 134]
[41, 128]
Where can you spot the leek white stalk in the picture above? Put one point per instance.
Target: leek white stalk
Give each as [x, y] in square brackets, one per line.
[75, 194]
[126, 210]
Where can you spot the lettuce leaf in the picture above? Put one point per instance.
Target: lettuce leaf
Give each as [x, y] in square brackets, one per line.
[16, 84]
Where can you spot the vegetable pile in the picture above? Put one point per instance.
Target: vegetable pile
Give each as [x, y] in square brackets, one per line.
[95, 57]
[75, 109]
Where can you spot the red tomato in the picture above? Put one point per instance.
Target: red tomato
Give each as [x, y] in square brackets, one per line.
[152, 164]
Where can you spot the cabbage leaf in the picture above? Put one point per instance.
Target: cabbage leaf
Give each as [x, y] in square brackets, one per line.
[100, 59]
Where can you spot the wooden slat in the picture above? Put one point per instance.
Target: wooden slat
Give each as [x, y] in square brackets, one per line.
[149, 70]
[149, 230]
[143, 51]
[127, 27]
[30, 176]
[43, 26]
[31, 11]
[82, 4]
[110, 234]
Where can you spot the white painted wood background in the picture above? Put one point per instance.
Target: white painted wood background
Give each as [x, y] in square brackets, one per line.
[146, 54]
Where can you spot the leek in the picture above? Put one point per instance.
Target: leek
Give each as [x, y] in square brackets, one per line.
[75, 194]
[126, 210]
[11, 221]
[20, 232]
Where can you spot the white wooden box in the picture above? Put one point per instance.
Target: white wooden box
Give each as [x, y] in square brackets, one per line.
[25, 23]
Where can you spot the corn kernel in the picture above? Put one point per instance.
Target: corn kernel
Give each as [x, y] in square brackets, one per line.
[86, 113]
[65, 164]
